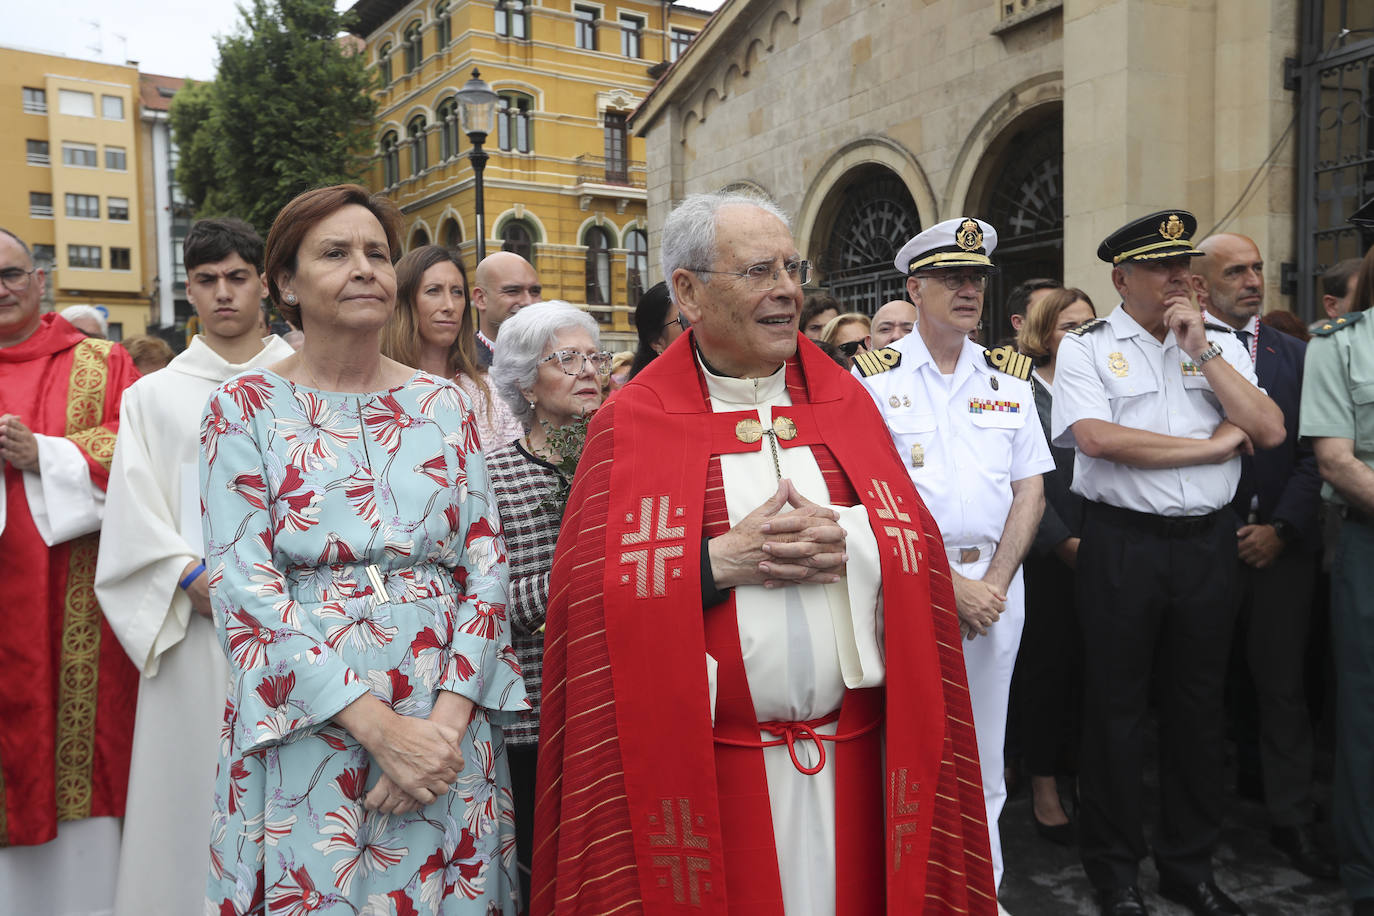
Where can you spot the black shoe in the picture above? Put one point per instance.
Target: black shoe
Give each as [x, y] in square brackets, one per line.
[1059, 834]
[1300, 844]
[1121, 901]
[1203, 898]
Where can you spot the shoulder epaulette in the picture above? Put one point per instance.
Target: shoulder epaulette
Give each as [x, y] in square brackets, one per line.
[1213, 326]
[1327, 328]
[1092, 324]
[872, 362]
[1006, 359]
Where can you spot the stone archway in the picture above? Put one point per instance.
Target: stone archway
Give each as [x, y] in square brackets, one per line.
[866, 217]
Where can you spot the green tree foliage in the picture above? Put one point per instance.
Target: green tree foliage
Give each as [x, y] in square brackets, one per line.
[290, 109]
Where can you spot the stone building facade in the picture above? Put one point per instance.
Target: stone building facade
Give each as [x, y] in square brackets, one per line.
[1056, 120]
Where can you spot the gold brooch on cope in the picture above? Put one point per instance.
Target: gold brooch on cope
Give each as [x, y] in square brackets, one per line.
[969, 236]
[1171, 228]
[918, 456]
[751, 430]
[1117, 363]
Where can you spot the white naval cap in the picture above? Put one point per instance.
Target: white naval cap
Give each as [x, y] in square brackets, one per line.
[959, 242]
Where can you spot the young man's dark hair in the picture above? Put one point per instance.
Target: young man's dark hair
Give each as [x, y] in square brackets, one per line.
[213, 240]
[1336, 278]
[1018, 300]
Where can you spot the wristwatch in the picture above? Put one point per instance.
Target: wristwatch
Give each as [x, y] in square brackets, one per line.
[1211, 352]
[1283, 529]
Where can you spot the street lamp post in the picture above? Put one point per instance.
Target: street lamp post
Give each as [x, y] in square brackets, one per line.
[477, 112]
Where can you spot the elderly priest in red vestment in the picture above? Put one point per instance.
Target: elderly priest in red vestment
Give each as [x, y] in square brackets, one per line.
[67, 698]
[754, 694]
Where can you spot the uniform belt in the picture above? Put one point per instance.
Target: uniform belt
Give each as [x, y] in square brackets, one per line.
[788, 732]
[1169, 526]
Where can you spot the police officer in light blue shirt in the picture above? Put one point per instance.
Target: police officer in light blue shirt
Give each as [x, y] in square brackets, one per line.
[963, 419]
[1159, 406]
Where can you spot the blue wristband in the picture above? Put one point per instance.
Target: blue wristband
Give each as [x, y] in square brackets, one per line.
[191, 576]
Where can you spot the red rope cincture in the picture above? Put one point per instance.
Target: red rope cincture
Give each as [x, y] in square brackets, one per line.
[788, 732]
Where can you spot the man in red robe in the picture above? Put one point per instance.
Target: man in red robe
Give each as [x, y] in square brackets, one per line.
[754, 692]
[67, 700]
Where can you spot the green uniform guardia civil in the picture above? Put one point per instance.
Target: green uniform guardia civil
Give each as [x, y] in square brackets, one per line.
[1338, 402]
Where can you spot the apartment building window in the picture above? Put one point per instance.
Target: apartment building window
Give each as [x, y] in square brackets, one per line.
[116, 159]
[636, 264]
[391, 159]
[35, 100]
[678, 40]
[516, 237]
[77, 104]
[83, 206]
[586, 27]
[81, 155]
[112, 107]
[631, 35]
[448, 129]
[36, 152]
[117, 208]
[83, 256]
[119, 259]
[443, 26]
[44, 256]
[419, 149]
[598, 242]
[414, 41]
[513, 122]
[40, 205]
[617, 159]
[512, 19]
[384, 63]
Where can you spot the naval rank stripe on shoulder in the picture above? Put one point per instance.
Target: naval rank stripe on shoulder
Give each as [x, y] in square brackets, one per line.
[872, 362]
[1006, 359]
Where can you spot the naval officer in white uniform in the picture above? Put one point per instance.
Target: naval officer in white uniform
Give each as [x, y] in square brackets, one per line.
[964, 422]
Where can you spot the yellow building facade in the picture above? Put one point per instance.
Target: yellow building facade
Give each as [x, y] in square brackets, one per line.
[70, 150]
[565, 183]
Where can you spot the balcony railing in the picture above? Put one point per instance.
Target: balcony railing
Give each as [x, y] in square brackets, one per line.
[598, 170]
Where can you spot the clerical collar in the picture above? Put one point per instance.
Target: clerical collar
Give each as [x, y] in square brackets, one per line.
[747, 392]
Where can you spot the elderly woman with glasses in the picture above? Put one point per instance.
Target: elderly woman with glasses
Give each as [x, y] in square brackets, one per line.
[548, 366]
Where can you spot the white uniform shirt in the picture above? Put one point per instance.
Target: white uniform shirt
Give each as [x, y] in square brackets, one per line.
[1120, 373]
[964, 437]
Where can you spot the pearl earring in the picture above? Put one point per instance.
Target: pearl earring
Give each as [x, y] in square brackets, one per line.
[531, 405]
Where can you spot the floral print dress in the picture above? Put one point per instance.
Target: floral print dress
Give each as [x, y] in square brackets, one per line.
[352, 546]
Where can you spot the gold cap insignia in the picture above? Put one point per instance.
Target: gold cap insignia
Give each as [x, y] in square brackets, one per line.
[969, 235]
[1171, 228]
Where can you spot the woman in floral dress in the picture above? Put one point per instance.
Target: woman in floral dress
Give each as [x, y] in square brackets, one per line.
[358, 579]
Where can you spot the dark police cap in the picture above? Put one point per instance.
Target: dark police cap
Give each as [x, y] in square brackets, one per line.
[1166, 234]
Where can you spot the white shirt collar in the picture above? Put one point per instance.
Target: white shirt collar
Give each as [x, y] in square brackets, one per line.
[746, 392]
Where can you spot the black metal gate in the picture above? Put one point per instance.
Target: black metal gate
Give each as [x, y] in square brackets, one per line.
[1335, 83]
[875, 218]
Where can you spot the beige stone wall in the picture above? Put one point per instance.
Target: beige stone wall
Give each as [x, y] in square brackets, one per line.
[1166, 103]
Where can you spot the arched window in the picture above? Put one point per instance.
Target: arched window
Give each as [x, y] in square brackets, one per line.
[448, 129]
[443, 27]
[384, 63]
[450, 233]
[414, 45]
[419, 238]
[391, 158]
[419, 152]
[513, 122]
[598, 266]
[512, 19]
[516, 237]
[636, 264]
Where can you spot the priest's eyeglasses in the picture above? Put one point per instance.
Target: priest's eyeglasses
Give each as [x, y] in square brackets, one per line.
[571, 361]
[763, 277]
[17, 280]
[955, 281]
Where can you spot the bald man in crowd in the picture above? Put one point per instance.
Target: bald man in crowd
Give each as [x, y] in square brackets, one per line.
[1278, 538]
[893, 321]
[502, 285]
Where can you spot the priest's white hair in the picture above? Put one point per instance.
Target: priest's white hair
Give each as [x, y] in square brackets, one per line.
[689, 232]
[521, 343]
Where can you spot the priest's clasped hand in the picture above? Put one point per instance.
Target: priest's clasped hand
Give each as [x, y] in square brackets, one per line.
[17, 444]
[772, 547]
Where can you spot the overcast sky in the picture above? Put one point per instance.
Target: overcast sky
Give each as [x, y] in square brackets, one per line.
[173, 39]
